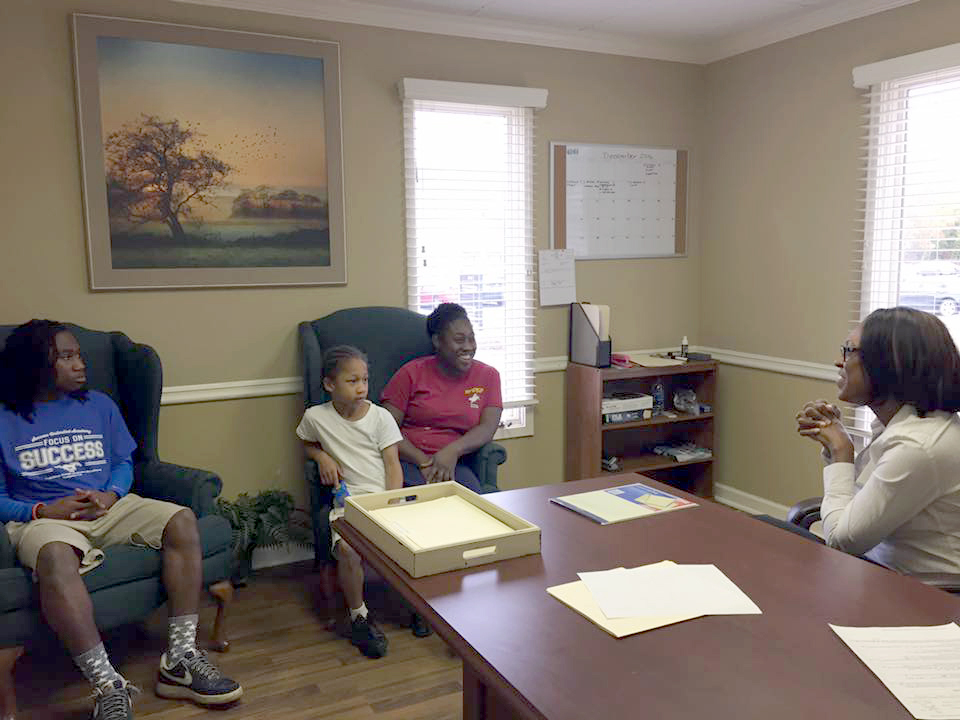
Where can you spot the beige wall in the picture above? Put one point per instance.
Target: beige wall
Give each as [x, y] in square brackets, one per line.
[222, 335]
[781, 179]
[774, 140]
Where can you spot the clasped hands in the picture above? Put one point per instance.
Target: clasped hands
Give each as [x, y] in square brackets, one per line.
[820, 420]
[82, 505]
[440, 466]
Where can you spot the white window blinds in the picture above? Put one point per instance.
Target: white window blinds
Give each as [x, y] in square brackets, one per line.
[468, 169]
[910, 253]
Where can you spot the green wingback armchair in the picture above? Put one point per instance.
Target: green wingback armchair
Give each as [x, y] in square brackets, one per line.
[127, 586]
[390, 337]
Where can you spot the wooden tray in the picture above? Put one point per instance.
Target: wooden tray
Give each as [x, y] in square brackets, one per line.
[518, 538]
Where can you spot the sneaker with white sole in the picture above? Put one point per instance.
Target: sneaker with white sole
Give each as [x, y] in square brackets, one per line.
[114, 701]
[195, 678]
[367, 637]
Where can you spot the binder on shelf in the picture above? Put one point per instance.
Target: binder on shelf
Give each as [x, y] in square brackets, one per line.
[589, 343]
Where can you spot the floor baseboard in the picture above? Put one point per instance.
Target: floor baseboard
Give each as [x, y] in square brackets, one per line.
[747, 502]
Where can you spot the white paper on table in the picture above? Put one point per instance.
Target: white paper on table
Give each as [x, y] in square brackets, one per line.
[577, 596]
[558, 279]
[443, 521]
[668, 589]
[920, 666]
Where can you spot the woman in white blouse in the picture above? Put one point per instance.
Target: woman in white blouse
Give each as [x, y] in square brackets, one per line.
[898, 502]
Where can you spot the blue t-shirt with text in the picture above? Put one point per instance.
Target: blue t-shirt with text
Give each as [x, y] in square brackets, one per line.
[71, 444]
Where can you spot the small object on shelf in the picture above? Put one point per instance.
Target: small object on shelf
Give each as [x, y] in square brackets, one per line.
[610, 463]
[627, 416]
[699, 357]
[683, 347]
[706, 408]
[658, 397]
[685, 400]
[684, 452]
[625, 401]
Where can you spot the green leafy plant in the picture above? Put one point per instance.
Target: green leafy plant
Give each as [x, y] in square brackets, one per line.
[268, 519]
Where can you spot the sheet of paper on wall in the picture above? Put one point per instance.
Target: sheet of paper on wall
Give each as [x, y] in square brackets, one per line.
[558, 280]
[919, 665]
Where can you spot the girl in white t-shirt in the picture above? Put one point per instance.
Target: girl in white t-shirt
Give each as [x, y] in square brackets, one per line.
[354, 443]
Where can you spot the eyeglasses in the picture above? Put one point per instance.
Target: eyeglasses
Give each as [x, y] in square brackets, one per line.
[70, 356]
[848, 350]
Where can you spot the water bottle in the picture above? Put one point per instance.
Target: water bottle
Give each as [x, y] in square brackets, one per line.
[658, 397]
[340, 496]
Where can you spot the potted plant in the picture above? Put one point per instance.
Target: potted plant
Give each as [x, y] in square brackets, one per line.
[268, 519]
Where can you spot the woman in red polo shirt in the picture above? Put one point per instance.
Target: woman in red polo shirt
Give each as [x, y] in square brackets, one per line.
[446, 404]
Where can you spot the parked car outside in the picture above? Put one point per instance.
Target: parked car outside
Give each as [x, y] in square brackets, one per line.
[932, 286]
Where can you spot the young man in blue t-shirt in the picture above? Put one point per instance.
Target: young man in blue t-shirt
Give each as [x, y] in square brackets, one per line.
[65, 454]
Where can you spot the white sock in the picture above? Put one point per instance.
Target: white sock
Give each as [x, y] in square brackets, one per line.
[358, 612]
[96, 667]
[181, 637]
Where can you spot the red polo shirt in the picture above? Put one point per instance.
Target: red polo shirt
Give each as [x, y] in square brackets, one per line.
[437, 408]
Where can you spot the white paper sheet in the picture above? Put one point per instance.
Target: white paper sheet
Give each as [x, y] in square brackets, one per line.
[444, 521]
[665, 588]
[558, 279]
[919, 665]
[577, 596]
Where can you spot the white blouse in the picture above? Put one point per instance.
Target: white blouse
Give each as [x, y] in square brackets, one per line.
[899, 502]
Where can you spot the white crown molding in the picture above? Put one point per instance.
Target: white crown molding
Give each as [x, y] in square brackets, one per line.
[691, 51]
[807, 22]
[785, 366]
[465, 26]
[269, 387]
[238, 390]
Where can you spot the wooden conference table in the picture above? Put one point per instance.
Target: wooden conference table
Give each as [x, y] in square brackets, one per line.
[526, 655]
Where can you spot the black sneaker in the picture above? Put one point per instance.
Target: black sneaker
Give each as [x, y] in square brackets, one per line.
[418, 626]
[367, 637]
[114, 701]
[195, 678]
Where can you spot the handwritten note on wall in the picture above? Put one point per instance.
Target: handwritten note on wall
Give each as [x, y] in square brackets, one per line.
[618, 201]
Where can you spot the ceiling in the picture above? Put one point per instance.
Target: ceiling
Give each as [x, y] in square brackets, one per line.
[696, 31]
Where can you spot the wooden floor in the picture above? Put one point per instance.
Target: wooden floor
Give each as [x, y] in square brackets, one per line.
[289, 664]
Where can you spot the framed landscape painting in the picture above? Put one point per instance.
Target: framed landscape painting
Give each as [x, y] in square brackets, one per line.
[210, 158]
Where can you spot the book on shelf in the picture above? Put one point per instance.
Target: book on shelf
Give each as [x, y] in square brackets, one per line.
[624, 402]
[624, 502]
[627, 416]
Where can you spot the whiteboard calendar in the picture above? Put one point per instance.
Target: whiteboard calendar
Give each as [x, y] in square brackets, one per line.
[618, 201]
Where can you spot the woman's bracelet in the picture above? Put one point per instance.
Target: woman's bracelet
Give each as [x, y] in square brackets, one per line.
[426, 464]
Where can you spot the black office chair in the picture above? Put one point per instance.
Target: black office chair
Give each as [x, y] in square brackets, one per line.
[807, 512]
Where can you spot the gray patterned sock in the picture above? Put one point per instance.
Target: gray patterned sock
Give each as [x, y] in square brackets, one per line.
[181, 637]
[96, 667]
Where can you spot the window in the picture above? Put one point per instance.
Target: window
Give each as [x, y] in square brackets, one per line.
[468, 160]
[911, 248]
[910, 253]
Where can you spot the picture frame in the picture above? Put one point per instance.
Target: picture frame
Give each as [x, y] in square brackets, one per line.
[209, 158]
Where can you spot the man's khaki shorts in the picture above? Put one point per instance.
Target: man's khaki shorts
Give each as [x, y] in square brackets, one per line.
[132, 520]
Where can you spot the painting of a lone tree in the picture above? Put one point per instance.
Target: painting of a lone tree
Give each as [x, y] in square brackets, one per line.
[216, 161]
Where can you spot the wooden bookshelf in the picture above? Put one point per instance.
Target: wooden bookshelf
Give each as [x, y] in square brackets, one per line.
[588, 438]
